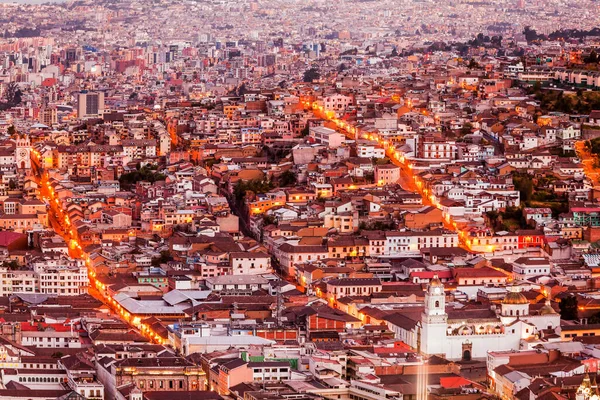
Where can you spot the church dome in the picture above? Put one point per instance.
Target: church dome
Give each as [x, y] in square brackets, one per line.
[435, 282]
[513, 297]
[547, 309]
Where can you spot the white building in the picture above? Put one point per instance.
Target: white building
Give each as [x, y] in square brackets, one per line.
[406, 242]
[247, 263]
[456, 336]
[61, 275]
[51, 339]
[327, 136]
[369, 149]
[337, 102]
[387, 174]
[529, 267]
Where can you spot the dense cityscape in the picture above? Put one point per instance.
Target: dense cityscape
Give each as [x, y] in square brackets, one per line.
[299, 200]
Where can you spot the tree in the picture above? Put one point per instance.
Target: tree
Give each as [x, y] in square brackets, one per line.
[12, 184]
[146, 173]
[524, 184]
[255, 185]
[305, 131]
[268, 220]
[466, 129]
[11, 130]
[11, 265]
[12, 94]
[568, 308]
[311, 75]
[287, 178]
[165, 256]
[592, 58]
[530, 34]
[473, 64]
[242, 89]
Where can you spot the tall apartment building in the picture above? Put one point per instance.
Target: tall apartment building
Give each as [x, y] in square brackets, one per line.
[54, 275]
[90, 104]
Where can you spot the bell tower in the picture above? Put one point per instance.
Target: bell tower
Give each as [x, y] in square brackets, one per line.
[22, 152]
[434, 319]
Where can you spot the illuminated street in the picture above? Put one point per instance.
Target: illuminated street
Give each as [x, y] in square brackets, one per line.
[410, 180]
[60, 222]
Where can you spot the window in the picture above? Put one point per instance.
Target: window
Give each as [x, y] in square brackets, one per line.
[437, 303]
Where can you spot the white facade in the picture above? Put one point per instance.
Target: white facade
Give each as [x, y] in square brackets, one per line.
[367, 150]
[405, 242]
[386, 174]
[250, 263]
[51, 339]
[337, 102]
[326, 136]
[62, 276]
[469, 339]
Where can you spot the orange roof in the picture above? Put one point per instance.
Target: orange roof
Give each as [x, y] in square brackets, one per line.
[454, 382]
[28, 327]
[48, 82]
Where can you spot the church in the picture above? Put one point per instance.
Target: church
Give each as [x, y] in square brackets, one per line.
[462, 334]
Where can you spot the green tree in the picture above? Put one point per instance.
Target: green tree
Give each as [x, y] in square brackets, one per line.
[12, 94]
[165, 256]
[568, 308]
[268, 220]
[306, 130]
[11, 130]
[524, 184]
[287, 178]
[466, 129]
[255, 185]
[311, 75]
[592, 58]
[146, 173]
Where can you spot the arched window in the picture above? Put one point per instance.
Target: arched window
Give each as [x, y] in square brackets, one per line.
[517, 313]
[437, 303]
[511, 312]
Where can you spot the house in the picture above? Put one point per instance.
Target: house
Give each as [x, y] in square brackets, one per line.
[386, 174]
[594, 118]
[424, 218]
[248, 263]
[337, 288]
[327, 136]
[529, 267]
[479, 276]
[540, 215]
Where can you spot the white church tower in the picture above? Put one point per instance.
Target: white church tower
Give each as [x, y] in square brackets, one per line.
[22, 152]
[434, 319]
